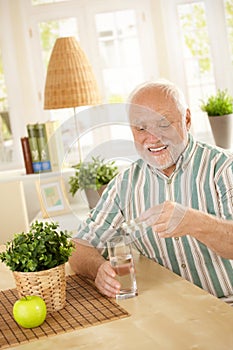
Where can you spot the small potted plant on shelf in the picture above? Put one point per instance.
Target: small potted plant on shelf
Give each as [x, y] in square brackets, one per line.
[37, 259]
[219, 108]
[92, 177]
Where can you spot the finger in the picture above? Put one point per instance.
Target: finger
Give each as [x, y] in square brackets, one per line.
[106, 287]
[105, 280]
[172, 225]
[151, 215]
[160, 229]
[176, 218]
[107, 269]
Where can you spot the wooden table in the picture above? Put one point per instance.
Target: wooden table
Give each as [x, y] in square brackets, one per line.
[168, 314]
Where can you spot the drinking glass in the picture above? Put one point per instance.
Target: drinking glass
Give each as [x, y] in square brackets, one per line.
[121, 260]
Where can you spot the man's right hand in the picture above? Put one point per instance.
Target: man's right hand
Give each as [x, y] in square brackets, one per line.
[105, 280]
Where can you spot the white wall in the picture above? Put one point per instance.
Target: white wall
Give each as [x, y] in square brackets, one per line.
[29, 183]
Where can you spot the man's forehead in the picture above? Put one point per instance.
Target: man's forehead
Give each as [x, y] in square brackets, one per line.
[139, 114]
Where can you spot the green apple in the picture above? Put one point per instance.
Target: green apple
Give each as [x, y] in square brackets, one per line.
[29, 311]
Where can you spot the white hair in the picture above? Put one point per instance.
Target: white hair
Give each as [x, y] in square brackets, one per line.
[169, 89]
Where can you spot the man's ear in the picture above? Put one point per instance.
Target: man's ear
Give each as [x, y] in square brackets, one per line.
[188, 119]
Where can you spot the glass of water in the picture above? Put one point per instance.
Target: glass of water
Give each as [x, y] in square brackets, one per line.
[121, 260]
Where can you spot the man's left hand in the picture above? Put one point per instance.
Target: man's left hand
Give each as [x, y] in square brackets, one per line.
[170, 219]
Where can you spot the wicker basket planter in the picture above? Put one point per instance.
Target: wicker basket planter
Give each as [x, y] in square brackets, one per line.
[37, 259]
[48, 284]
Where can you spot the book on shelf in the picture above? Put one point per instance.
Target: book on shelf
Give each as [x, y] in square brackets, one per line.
[34, 148]
[55, 144]
[43, 147]
[26, 155]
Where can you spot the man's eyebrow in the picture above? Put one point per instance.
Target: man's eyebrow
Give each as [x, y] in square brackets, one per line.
[138, 121]
[144, 119]
[164, 117]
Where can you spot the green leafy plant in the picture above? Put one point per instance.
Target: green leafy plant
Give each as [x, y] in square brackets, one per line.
[93, 174]
[41, 248]
[219, 104]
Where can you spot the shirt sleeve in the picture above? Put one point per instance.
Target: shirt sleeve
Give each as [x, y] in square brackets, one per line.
[104, 220]
[225, 190]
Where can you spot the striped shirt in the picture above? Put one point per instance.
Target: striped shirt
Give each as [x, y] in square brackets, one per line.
[203, 180]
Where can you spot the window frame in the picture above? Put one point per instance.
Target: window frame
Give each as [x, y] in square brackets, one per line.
[218, 42]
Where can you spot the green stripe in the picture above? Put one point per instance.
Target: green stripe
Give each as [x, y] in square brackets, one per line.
[195, 173]
[220, 161]
[208, 193]
[161, 185]
[150, 235]
[134, 193]
[211, 270]
[229, 269]
[172, 256]
[177, 188]
[222, 188]
[191, 262]
[111, 212]
[124, 190]
[147, 190]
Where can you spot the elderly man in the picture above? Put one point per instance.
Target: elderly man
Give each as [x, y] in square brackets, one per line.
[180, 189]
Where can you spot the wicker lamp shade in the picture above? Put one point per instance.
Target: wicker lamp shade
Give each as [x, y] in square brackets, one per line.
[70, 81]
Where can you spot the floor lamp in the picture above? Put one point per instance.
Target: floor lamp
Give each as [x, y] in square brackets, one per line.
[70, 81]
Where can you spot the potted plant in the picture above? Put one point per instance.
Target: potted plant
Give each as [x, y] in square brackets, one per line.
[92, 177]
[37, 259]
[219, 108]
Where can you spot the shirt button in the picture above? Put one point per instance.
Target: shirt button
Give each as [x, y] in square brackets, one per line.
[176, 238]
[183, 265]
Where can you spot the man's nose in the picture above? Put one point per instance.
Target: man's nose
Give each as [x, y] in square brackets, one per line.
[153, 134]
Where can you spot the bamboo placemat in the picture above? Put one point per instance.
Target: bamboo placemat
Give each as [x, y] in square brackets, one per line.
[85, 307]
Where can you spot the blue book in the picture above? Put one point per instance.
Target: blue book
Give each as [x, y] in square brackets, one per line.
[43, 147]
[34, 148]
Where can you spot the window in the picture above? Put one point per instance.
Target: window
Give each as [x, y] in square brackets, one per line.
[49, 31]
[198, 62]
[229, 24]
[6, 142]
[120, 53]
[197, 40]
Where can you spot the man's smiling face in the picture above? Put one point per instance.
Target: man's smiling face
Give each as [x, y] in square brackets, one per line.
[159, 129]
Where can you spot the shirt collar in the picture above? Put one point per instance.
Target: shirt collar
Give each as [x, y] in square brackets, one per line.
[187, 154]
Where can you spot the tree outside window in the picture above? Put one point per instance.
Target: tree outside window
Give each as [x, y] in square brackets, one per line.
[229, 23]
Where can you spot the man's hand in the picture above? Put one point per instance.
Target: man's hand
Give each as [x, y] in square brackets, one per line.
[105, 280]
[170, 219]
[87, 261]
